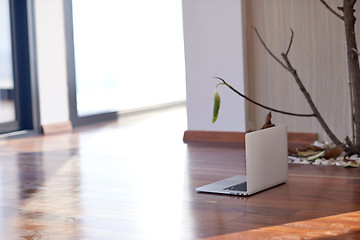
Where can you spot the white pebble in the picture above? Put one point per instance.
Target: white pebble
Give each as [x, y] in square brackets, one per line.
[296, 160]
[332, 161]
[339, 163]
[326, 162]
[317, 162]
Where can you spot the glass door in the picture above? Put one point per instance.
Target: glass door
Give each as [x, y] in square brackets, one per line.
[18, 92]
[7, 92]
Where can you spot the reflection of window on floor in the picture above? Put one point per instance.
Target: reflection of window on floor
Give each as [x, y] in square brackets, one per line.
[7, 106]
[128, 54]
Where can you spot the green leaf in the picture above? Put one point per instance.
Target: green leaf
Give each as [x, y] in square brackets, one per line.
[314, 157]
[216, 106]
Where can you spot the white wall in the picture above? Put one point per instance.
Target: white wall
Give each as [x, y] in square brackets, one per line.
[214, 47]
[51, 61]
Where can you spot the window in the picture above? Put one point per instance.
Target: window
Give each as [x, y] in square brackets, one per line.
[7, 97]
[18, 98]
[128, 55]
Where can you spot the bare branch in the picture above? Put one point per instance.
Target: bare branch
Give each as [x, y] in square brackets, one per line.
[263, 106]
[332, 10]
[351, 145]
[268, 50]
[310, 101]
[353, 66]
[290, 68]
[356, 51]
[352, 110]
[290, 43]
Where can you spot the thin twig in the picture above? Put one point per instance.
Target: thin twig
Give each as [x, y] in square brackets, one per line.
[332, 10]
[263, 106]
[268, 50]
[290, 43]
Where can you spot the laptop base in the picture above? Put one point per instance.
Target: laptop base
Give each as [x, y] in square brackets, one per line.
[225, 186]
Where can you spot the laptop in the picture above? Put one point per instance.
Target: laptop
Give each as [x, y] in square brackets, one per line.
[266, 153]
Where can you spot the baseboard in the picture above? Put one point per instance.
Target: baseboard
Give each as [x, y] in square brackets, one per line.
[239, 137]
[61, 127]
[303, 138]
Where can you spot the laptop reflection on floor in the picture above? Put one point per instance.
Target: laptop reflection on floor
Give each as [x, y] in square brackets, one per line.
[266, 153]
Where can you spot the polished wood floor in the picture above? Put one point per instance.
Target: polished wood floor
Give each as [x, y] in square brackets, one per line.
[135, 179]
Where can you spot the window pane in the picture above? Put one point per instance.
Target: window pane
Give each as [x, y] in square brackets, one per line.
[7, 106]
[128, 54]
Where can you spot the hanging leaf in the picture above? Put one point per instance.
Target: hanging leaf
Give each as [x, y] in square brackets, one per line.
[216, 106]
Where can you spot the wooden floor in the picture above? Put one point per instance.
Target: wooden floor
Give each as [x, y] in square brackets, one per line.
[135, 179]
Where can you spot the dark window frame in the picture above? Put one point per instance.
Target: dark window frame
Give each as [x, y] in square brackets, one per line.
[24, 69]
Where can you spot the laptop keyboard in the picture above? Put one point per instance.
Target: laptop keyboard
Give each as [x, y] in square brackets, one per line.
[238, 187]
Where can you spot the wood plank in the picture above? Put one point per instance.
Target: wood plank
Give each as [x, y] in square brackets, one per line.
[303, 138]
[94, 184]
[239, 137]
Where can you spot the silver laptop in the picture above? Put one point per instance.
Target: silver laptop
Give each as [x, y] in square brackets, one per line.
[266, 164]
